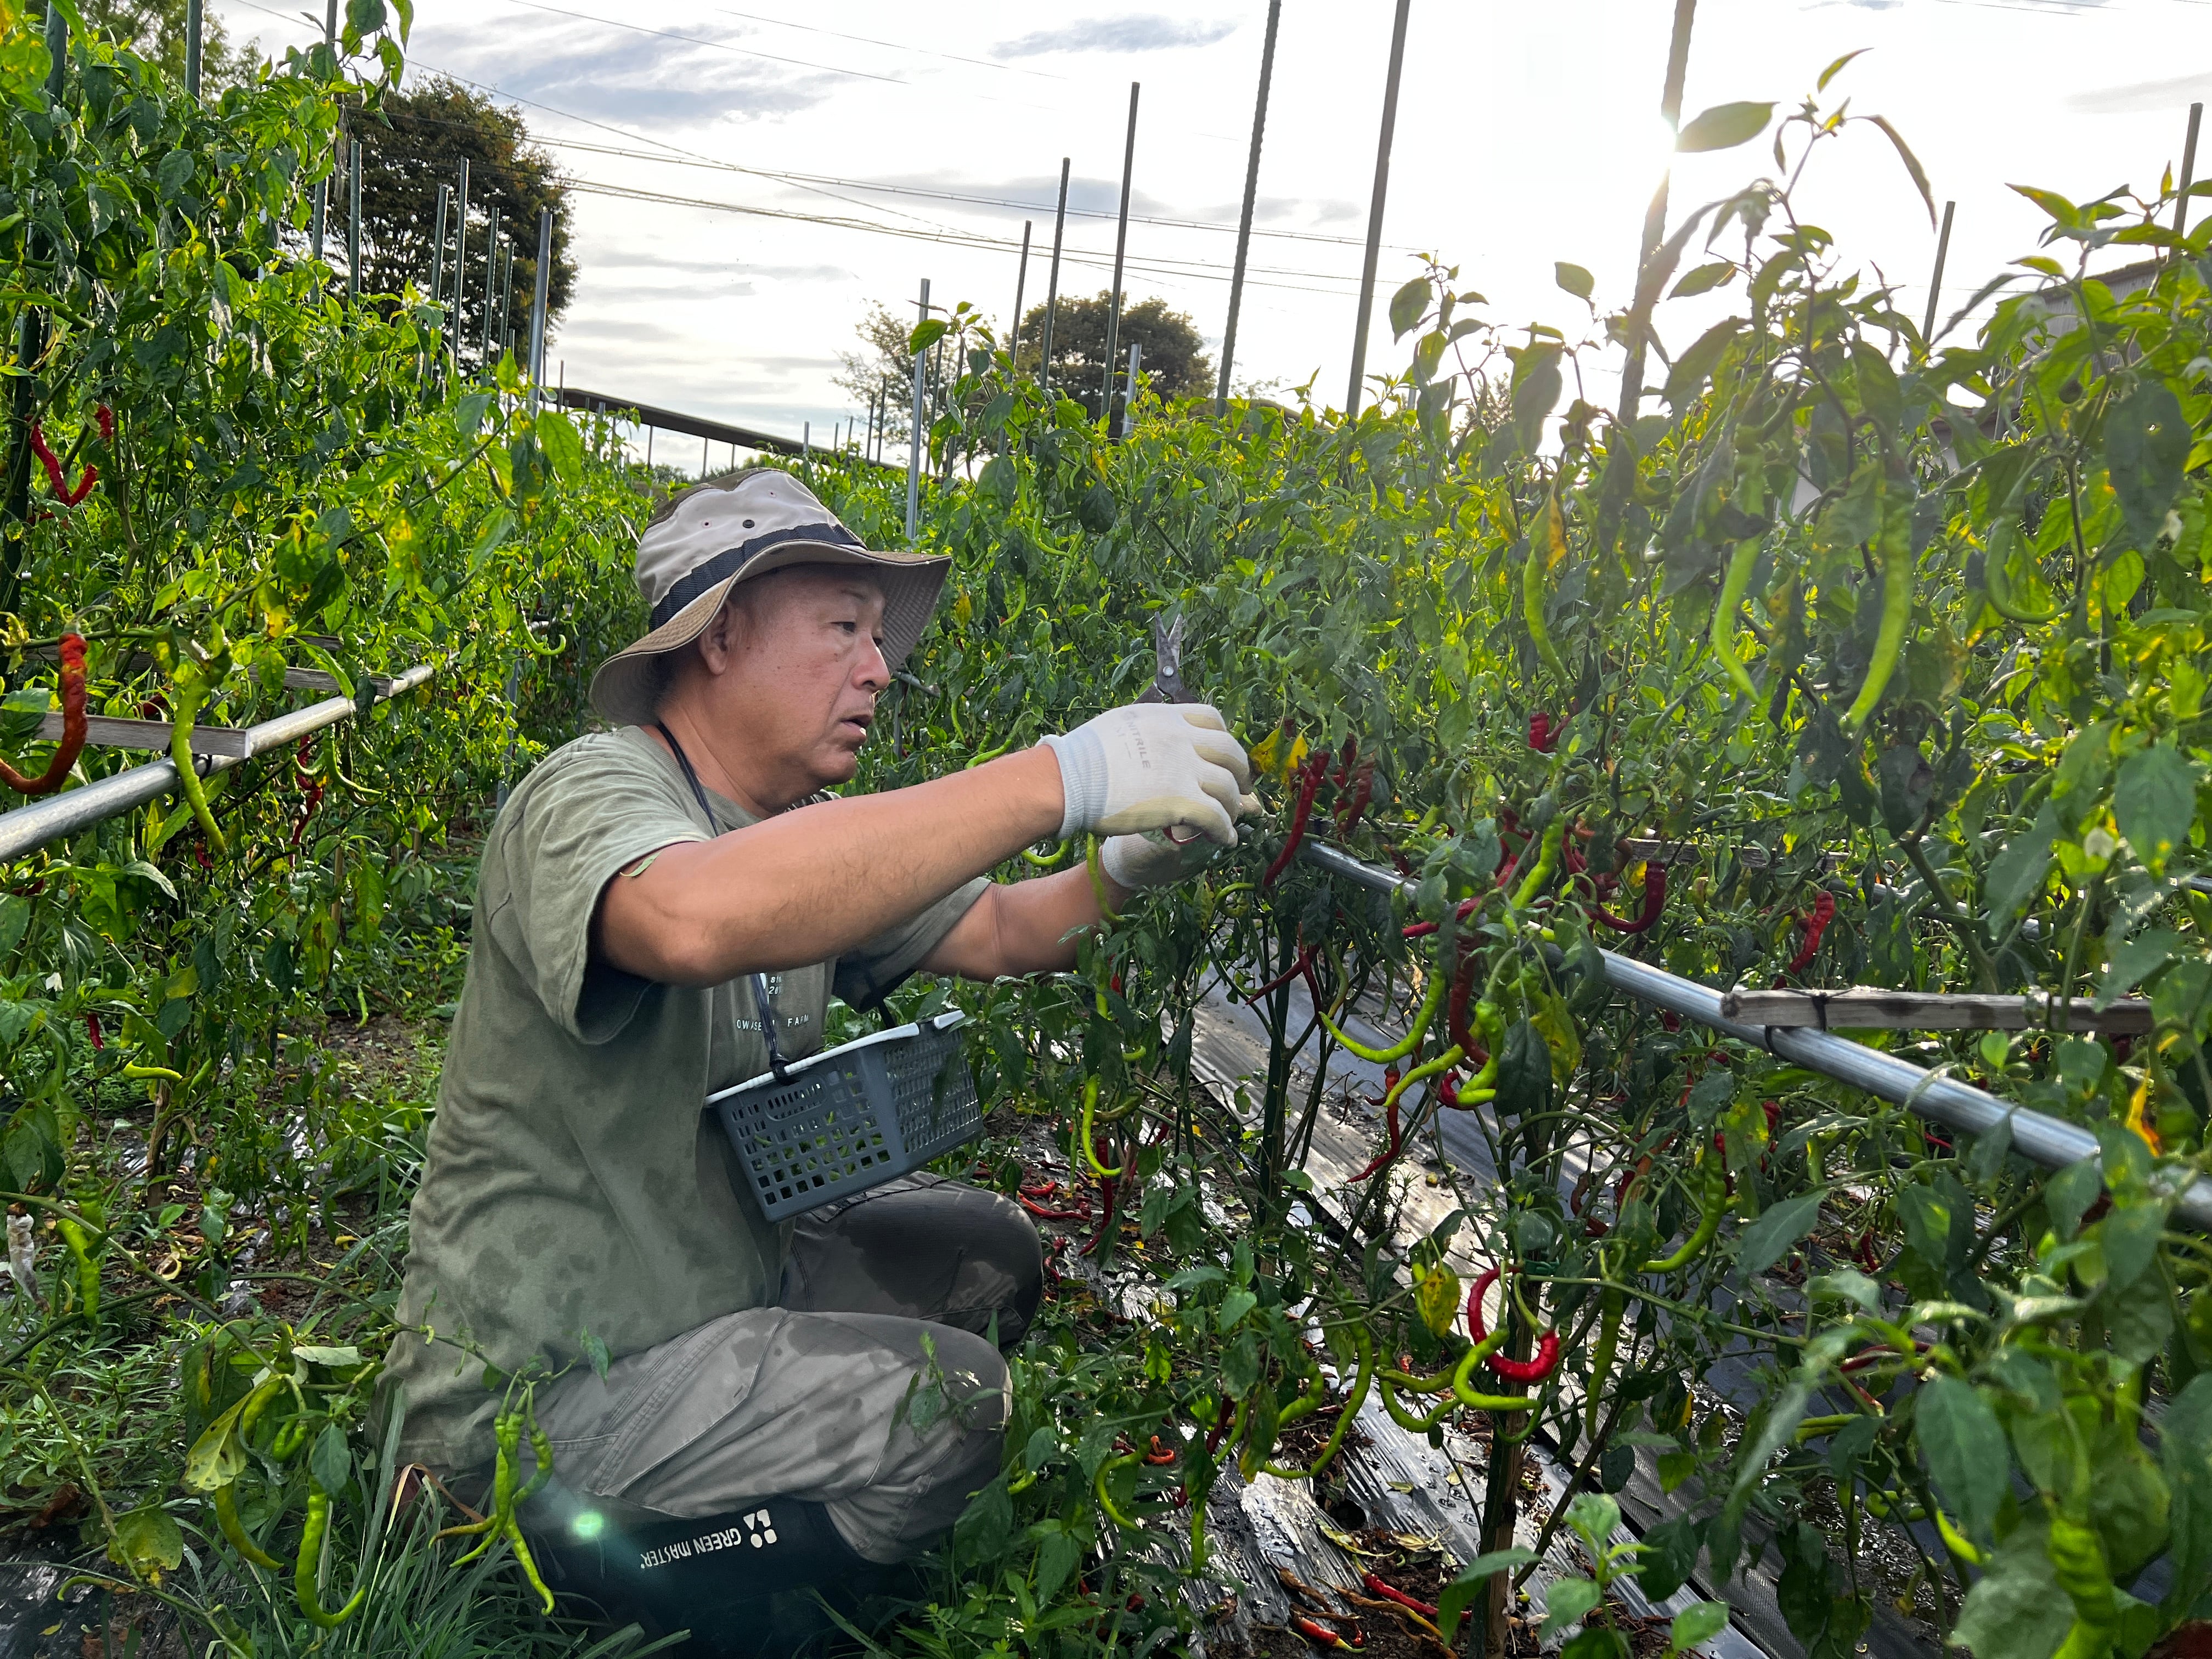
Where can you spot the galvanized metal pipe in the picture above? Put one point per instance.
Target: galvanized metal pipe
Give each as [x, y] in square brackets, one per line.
[1375, 210]
[1120, 246]
[1936, 280]
[193, 29]
[27, 828]
[1244, 218]
[914, 442]
[2051, 1142]
[1052, 282]
[537, 302]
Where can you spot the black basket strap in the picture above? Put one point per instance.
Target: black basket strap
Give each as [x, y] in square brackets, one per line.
[763, 1003]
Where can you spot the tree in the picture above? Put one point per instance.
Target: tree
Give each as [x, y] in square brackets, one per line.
[412, 142]
[155, 30]
[1174, 361]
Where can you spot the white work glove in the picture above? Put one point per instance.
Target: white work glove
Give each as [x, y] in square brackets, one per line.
[1157, 858]
[1153, 766]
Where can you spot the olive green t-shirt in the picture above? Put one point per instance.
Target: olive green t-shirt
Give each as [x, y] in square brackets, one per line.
[575, 1184]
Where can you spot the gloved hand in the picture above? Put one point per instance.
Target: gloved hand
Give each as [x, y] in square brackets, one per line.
[1157, 858]
[1148, 766]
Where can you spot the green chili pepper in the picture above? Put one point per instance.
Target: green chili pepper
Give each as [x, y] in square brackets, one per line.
[1725, 610]
[1042, 862]
[1996, 584]
[1712, 1201]
[226, 1518]
[1106, 1504]
[1896, 611]
[1327, 1452]
[1532, 572]
[1547, 861]
[88, 1270]
[181, 720]
[1431, 999]
[1613, 1306]
[304, 1571]
[289, 1439]
[989, 755]
[1106, 913]
[2078, 1560]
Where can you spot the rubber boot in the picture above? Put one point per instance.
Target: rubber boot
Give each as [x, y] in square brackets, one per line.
[744, 1584]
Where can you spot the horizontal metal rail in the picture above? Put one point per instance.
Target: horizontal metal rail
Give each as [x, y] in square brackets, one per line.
[699, 426]
[2051, 1142]
[28, 828]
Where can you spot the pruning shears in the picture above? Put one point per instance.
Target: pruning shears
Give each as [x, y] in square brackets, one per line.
[1167, 684]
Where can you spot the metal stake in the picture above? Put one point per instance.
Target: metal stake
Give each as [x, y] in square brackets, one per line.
[1129, 385]
[1375, 210]
[538, 305]
[1052, 284]
[461, 259]
[1021, 281]
[913, 446]
[1936, 282]
[193, 29]
[323, 185]
[438, 255]
[353, 221]
[1655, 217]
[1244, 219]
[491, 287]
[1121, 241]
[2188, 169]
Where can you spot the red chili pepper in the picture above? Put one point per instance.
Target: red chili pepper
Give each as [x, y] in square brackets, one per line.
[72, 743]
[1363, 791]
[1516, 1371]
[1390, 1096]
[92, 1031]
[310, 789]
[105, 416]
[1043, 1214]
[1302, 965]
[1542, 737]
[1309, 785]
[63, 493]
[1114, 983]
[1824, 912]
[1462, 991]
[1391, 1593]
[1160, 1456]
[1220, 1426]
[1344, 761]
[1655, 900]
[1106, 1220]
[1448, 1090]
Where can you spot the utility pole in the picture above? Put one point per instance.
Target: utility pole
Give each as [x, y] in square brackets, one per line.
[1244, 219]
[1375, 210]
[1655, 217]
[1051, 286]
[1935, 281]
[1021, 281]
[914, 445]
[1120, 244]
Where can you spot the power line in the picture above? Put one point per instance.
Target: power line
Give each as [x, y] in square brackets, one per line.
[869, 39]
[700, 41]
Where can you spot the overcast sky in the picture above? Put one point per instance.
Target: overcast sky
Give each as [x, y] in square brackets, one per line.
[1527, 134]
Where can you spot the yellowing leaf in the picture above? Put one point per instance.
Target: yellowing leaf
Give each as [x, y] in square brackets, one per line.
[1555, 533]
[1437, 1300]
[1278, 756]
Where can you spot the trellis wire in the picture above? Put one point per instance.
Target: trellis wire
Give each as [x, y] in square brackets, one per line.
[2049, 1141]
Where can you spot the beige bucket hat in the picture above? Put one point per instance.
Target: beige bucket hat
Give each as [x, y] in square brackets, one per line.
[700, 544]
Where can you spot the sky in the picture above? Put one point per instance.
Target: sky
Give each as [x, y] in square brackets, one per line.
[713, 282]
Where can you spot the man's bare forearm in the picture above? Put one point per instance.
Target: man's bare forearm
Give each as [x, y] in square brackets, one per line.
[1030, 926]
[808, 885]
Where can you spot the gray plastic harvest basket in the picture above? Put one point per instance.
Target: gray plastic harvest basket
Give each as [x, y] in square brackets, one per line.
[840, 1121]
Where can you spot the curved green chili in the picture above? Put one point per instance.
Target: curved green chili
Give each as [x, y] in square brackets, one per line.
[1044, 863]
[1431, 999]
[1106, 1504]
[1547, 861]
[226, 1518]
[1106, 912]
[1725, 610]
[304, 1571]
[1896, 612]
[1365, 1377]
[1612, 1309]
[181, 721]
[88, 1270]
[1712, 1205]
[1996, 583]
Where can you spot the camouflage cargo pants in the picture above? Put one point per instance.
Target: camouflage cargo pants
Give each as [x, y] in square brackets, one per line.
[815, 1399]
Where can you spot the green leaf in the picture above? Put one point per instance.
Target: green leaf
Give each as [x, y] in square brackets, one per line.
[1057, 1553]
[364, 17]
[1723, 127]
[562, 444]
[1700, 1622]
[1567, 1601]
[2185, 1453]
[2016, 1608]
[1573, 278]
[595, 1350]
[2017, 873]
[2146, 454]
[2129, 1237]
[2135, 960]
[1408, 306]
[1835, 68]
[146, 1543]
[1234, 1307]
[331, 1463]
[217, 1459]
[1912, 165]
[1460, 1593]
[2154, 798]
[1703, 279]
[926, 334]
[1768, 1239]
[1965, 1446]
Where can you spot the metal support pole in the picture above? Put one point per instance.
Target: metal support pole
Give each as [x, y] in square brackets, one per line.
[1021, 281]
[1052, 283]
[460, 260]
[194, 27]
[1936, 280]
[1121, 242]
[914, 445]
[1655, 217]
[537, 304]
[353, 220]
[1244, 218]
[438, 255]
[1375, 210]
[491, 287]
[317, 223]
[1129, 385]
[2188, 170]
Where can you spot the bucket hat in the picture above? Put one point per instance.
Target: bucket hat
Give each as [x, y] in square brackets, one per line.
[701, 543]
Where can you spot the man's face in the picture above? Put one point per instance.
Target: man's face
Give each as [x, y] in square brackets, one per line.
[802, 667]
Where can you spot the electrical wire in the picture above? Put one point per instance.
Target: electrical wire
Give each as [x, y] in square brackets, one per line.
[869, 39]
